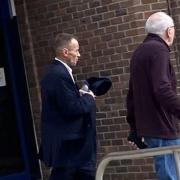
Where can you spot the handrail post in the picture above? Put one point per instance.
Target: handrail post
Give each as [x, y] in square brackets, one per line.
[177, 162]
[175, 150]
[101, 168]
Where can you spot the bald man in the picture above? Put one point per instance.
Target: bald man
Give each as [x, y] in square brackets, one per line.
[152, 103]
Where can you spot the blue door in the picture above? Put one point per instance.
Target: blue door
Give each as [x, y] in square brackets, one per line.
[18, 152]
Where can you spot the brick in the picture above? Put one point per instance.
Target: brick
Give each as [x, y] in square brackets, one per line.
[50, 14]
[101, 9]
[127, 40]
[138, 38]
[111, 29]
[104, 143]
[99, 136]
[94, 40]
[94, 4]
[117, 71]
[67, 18]
[109, 170]
[64, 4]
[92, 26]
[87, 69]
[107, 37]
[96, 18]
[131, 47]
[134, 32]
[139, 8]
[132, 17]
[147, 168]
[134, 169]
[52, 7]
[109, 51]
[89, 12]
[100, 31]
[78, 15]
[75, 3]
[114, 6]
[160, 6]
[130, 3]
[108, 15]
[126, 162]
[103, 60]
[104, 108]
[55, 20]
[118, 35]
[109, 135]
[85, 20]
[149, 1]
[97, 53]
[116, 57]
[110, 65]
[87, 34]
[137, 24]
[105, 73]
[71, 9]
[104, 23]
[81, 28]
[122, 169]
[106, 2]
[121, 12]
[82, 7]
[101, 46]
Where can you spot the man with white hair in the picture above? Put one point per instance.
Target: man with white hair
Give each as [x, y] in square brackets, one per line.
[153, 107]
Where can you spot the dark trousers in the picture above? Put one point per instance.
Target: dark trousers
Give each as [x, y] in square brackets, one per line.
[72, 174]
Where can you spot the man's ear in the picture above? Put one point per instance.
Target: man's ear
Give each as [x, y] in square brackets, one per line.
[65, 51]
[168, 32]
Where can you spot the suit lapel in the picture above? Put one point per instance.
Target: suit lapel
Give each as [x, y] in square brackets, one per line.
[56, 62]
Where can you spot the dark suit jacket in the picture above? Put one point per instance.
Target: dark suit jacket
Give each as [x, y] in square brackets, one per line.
[68, 120]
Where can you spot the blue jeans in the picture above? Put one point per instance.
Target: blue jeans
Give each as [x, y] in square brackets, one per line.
[164, 164]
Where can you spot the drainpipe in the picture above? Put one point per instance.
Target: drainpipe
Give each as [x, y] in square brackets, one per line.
[175, 41]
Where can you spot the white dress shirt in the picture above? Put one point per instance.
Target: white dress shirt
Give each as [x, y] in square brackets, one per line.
[68, 68]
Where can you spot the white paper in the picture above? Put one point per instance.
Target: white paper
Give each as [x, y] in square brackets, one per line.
[2, 77]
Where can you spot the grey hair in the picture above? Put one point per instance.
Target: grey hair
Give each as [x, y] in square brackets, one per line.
[62, 40]
[158, 23]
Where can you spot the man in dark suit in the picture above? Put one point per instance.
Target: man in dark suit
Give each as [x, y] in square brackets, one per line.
[68, 117]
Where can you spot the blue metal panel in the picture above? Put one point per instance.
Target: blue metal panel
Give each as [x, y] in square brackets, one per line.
[19, 176]
[31, 170]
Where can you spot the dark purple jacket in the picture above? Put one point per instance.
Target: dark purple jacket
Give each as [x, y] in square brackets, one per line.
[152, 103]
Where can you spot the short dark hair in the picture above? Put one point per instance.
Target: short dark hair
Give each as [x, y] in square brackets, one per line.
[62, 40]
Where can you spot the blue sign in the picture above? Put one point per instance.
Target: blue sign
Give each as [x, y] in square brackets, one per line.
[18, 151]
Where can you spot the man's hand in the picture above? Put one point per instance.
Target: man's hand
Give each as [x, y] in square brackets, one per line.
[138, 141]
[81, 91]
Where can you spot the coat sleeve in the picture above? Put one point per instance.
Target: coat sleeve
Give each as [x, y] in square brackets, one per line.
[162, 83]
[130, 108]
[66, 98]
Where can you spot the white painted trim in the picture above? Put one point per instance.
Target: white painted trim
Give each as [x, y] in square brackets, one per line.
[12, 8]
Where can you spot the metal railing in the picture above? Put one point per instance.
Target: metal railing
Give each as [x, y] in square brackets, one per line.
[142, 153]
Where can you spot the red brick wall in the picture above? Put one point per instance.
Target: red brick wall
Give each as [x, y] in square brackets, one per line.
[108, 31]
[174, 7]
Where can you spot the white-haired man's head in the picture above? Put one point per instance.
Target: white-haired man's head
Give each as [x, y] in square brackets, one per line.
[159, 23]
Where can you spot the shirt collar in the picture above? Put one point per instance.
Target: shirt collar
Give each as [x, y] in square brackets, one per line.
[68, 68]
